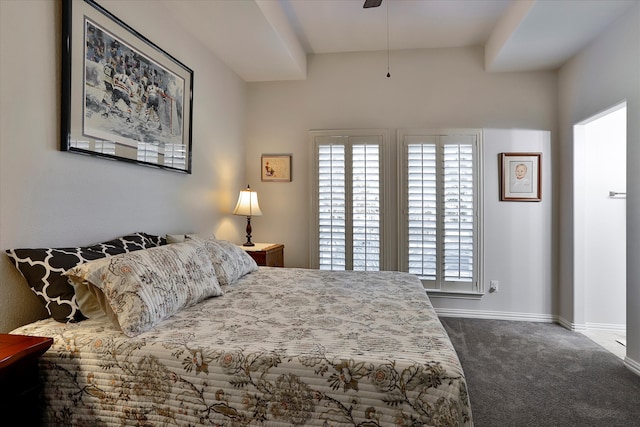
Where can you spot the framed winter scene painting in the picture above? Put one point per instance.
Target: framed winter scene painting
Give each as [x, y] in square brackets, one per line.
[123, 97]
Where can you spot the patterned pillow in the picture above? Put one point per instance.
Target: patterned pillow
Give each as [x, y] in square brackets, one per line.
[145, 287]
[43, 268]
[230, 261]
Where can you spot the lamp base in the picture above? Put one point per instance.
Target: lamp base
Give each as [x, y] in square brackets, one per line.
[248, 230]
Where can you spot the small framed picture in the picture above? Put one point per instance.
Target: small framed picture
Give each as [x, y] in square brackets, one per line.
[276, 167]
[520, 177]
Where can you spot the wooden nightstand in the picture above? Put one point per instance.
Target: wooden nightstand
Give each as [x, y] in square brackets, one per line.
[267, 254]
[19, 376]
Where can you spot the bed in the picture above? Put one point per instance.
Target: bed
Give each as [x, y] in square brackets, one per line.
[276, 346]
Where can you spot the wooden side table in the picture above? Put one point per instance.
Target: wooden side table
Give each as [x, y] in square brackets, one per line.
[267, 254]
[19, 376]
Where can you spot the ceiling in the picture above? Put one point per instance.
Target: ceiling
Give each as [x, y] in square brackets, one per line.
[267, 40]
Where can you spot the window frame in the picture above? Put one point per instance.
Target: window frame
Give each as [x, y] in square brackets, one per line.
[439, 287]
[393, 244]
[314, 238]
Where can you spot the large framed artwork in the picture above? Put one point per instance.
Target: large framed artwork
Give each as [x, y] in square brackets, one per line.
[123, 97]
[521, 177]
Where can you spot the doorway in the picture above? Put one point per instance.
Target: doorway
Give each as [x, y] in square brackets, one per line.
[600, 145]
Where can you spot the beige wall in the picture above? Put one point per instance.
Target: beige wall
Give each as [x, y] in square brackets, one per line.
[428, 89]
[50, 198]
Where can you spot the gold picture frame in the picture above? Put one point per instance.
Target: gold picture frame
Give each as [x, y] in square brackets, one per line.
[275, 168]
[520, 177]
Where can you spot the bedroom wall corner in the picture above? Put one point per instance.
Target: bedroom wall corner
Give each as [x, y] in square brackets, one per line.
[604, 74]
[18, 304]
[50, 198]
[431, 88]
[518, 237]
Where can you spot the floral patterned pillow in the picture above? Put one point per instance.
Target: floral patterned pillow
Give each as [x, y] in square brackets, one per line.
[143, 288]
[229, 261]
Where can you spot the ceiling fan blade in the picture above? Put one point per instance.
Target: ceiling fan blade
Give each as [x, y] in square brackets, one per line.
[371, 3]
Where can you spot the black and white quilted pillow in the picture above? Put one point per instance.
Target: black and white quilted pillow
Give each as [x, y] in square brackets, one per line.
[43, 268]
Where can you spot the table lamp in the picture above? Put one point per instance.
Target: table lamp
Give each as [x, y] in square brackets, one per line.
[248, 206]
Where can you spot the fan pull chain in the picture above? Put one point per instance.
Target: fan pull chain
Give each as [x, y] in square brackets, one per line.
[388, 73]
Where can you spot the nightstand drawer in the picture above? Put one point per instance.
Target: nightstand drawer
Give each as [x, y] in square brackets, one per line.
[267, 254]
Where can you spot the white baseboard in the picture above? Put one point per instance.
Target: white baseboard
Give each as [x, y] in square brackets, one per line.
[583, 327]
[632, 365]
[575, 327]
[530, 317]
[606, 327]
[496, 315]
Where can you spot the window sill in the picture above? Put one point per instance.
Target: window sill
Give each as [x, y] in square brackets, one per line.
[433, 293]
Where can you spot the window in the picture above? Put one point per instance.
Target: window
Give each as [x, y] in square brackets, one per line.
[348, 201]
[440, 195]
[435, 216]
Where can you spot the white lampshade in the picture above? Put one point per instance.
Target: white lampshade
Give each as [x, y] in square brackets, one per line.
[247, 203]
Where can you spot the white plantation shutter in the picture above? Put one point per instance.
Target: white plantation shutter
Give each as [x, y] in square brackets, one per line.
[332, 207]
[422, 215]
[440, 202]
[459, 209]
[348, 208]
[436, 214]
[366, 206]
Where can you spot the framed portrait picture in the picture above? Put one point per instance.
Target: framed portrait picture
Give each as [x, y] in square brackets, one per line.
[123, 97]
[275, 167]
[521, 177]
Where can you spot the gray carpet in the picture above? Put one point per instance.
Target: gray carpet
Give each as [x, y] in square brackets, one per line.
[541, 374]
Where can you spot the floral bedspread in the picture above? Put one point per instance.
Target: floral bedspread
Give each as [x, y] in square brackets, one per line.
[280, 347]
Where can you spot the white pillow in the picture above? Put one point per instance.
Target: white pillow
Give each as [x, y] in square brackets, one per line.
[145, 287]
[92, 302]
[175, 238]
[230, 261]
[86, 300]
[200, 236]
